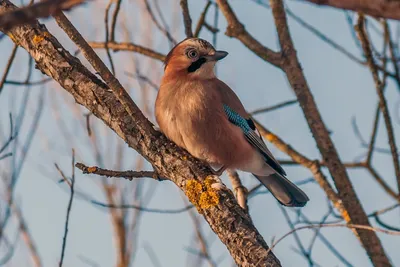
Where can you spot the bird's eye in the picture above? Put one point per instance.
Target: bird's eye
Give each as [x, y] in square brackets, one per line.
[192, 53]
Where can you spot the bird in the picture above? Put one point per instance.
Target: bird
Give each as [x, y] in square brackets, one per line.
[203, 115]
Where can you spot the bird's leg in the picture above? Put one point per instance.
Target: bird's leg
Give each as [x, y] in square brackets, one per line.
[218, 172]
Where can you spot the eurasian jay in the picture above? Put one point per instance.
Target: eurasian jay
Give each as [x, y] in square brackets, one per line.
[201, 114]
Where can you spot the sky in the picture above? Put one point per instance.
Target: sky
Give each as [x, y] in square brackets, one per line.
[343, 91]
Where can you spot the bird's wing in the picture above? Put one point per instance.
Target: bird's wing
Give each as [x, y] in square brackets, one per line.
[238, 116]
[253, 137]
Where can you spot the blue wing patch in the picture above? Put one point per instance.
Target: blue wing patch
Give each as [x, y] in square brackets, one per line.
[238, 120]
[249, 129]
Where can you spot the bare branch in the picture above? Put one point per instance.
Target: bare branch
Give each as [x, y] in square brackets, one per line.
[8, 67]
[376, 8]
[274, 107]
[71, 186]
[119, 174]
[202, 18]
[28, 14]
[187, 21]
[114, 20]
[130, 47]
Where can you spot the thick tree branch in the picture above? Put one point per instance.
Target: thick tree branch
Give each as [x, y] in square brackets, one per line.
[39, 10]
[377, 8]
[218, 206]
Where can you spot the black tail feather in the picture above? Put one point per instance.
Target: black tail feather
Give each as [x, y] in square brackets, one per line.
[287, 193]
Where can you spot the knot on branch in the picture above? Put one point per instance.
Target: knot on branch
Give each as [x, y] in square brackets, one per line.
[202, 194]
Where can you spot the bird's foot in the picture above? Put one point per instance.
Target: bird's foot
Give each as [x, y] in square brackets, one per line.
[215, 182]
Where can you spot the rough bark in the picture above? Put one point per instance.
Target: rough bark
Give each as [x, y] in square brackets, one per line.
[389, 9]
[230, 222]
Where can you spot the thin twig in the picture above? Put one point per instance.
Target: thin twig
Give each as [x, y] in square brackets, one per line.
[107, 36]
[114, 20]
[129, 175]
[350, 226]
[202, 18]
[274, 107]
[130, 47]
[187, 21]
[28, 239]
[167, 34]
[8, 67]
[71, 186]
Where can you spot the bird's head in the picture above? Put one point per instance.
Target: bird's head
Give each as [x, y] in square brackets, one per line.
[194, 58]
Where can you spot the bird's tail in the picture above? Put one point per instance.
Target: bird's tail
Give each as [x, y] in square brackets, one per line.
[287, 193]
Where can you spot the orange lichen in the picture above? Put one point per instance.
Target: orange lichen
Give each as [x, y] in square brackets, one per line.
[91, 169]
[193, 191]
[202, 195]
[270, 137]
[208, 199]
[38, 38]
[208, 182]
[346, 216]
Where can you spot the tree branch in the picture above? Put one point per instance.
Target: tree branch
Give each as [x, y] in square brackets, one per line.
[377, 8]
[129, 47]
[187, 21]
[218, 206]
[31, 13]
[237, 30]
[121, 174]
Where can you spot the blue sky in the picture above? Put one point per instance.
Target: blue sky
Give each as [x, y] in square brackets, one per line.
[342, 89]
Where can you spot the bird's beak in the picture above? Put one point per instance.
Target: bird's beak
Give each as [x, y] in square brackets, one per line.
[218, 55]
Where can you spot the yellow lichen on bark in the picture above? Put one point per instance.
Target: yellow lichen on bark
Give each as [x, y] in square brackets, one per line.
[270, 137]
[38, 38]
[91, 169]
[202, 195]
[193, 191]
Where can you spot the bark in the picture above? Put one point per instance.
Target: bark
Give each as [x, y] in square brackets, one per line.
[230, 222]
[389, 9]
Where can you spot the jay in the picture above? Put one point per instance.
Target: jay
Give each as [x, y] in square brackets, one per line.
[203, 115]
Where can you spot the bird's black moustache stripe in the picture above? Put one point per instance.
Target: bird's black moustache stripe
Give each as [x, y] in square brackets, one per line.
[197, 64]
